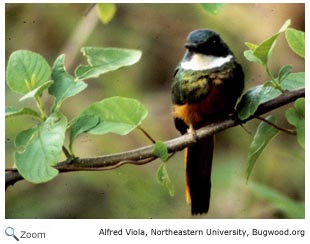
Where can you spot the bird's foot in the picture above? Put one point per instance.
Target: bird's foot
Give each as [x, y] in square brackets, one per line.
[193, 132]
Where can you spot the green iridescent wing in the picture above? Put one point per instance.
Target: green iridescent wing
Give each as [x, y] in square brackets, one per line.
[190, 86]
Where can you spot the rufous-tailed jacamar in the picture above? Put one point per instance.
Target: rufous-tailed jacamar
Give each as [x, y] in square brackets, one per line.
[207, 83]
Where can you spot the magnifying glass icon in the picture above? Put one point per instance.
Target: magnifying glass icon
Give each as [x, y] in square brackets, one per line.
[9, 231]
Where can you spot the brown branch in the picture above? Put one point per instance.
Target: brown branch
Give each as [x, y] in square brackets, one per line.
[145, 154]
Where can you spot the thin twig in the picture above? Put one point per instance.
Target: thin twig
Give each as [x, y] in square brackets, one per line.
[66, 152]
[246, 129]
[114, 166]
[170, 156]
[147, 135]
[288, 131]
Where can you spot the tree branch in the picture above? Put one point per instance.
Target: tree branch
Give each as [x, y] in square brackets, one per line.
[145, 154]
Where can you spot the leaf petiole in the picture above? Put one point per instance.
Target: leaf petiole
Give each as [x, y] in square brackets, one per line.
[40, 106]
[273, 80]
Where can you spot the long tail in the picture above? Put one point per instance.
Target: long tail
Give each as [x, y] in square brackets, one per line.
[198, 174]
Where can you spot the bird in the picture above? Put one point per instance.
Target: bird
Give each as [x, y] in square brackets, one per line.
[206, 86]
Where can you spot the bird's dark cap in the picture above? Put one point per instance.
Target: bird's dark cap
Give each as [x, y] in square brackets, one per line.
[206, 42]
[199, 37]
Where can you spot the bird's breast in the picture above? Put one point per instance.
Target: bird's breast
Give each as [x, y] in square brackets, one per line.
[200, 113]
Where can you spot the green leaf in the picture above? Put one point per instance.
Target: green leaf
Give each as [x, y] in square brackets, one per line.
[293, 81]
[284, 72]
[284, 27]
[37, 91]
[24, 138]
[103, 60]
[296, 41]
[253, 98]
[26, 71]
[249, 102]
[291, 208]
[212, 8]
[64, 85]
[117, 115]
[82, 125]
[106, 11]
[164, 179]
[251, 45]
[296, 116]
[249, 55]
[263, 51]
[39, 148]
[13, 111]
[263, 135]
[161, 151]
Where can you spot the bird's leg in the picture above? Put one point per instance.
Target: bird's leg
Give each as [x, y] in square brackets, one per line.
[191, 130]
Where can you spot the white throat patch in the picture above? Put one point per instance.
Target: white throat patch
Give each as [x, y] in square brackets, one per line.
[204, 62]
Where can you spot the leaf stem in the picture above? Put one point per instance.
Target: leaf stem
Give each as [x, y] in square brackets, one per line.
[67, 153]
[288, 131]
[147, 135]
[274, 81]
[40, 106]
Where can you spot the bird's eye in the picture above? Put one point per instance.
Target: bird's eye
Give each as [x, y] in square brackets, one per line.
[215, 40]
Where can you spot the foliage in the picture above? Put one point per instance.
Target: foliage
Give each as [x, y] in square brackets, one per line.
[40, 147]
[164, 179]
[212, 8]
[160, 151]
[103, 60]
[273, 87]
[296, 117]
[291, 208]
[106, 11]
[261, 139]
[26, 71]
[296, 41]
[65, 85]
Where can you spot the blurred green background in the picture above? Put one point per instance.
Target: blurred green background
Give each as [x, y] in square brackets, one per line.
[159, 31]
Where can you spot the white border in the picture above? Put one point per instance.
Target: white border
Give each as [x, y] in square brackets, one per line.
[87, 231]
